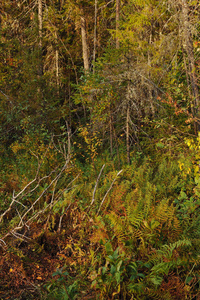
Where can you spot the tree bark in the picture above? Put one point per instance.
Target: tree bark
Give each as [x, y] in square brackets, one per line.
[40, 28]
[117, 22]
[95, 35]
[188, 45]
[111, 134]
[127, 135]
[84, 44]
[57, 64]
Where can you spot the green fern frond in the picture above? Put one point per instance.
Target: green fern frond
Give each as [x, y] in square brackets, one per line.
[135, 219]
[163, 261]
[164, 211]
[167, 250]
[118, 225]
[158, 295]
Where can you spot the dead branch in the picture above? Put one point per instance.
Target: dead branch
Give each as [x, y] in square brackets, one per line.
[44, 191]
[108, 191]
[95, 188]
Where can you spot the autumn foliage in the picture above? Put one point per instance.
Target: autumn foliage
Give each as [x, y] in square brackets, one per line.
[99, 150]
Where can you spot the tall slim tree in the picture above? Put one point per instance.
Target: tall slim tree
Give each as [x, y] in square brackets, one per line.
[40, 34]
[188, 45]
[117, 22]
[84, 43]
[95, 34]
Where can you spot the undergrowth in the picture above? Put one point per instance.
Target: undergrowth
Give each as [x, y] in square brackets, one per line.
[139, 239]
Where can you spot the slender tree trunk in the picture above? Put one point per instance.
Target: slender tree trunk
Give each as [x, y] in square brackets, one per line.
[84, 44]
[40, 27]
[57, 70]
[57, 64]
[127, 135]
[117, 22]
[188, 45]
[188, 81]
[95, 35]
[111, 135]
[69, 139]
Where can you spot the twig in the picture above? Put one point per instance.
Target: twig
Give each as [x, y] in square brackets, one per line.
[95, 188]
[7, 97]
[60, 221]
[54, 180]
[19, 236]
[7, 210]
[105, 4]
[49, 205]
[108, 191]
[2, 241]
[20, 216]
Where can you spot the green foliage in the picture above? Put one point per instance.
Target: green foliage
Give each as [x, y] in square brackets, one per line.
[61, 288]
[134, 236]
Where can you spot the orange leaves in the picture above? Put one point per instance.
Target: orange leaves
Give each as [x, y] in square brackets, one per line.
[13, 62]
[173, 103]
[174, 286]
[99, 234]
[177, 109]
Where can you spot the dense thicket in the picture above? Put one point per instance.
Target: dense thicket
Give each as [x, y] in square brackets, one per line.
[99, 144]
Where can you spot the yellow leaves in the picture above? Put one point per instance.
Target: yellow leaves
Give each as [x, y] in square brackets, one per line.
[194, 146]
[15, 147]
[35, 146]
[189, 143]
[92, 140]
[196, 169]
[184, 168]
[181, 165]
[39, 278]
[118, 291]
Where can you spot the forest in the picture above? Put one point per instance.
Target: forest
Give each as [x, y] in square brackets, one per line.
[100, 149]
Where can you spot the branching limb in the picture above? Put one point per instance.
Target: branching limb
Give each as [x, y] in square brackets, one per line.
[44, 191]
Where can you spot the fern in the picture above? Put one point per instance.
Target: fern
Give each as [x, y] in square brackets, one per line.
[158, 295]
[163, 261]
[118, 226]
[167, 250]
[134, 217]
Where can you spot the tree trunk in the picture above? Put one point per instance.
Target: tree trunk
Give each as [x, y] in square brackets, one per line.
[84, 44]
[127, 135]
[188, 81]
[57, 69]
[117, 22]
[95, 35]
[69, 139]
[57, 64]
[40, 64]
[111, 134]
[188, 45]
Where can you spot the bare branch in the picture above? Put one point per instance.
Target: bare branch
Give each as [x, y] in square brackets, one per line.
[95, 188]
[60, 221]
[7, 210]
[105, 4]
[17, 235]
[2, 241]
[108, 191]
[44, 191]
